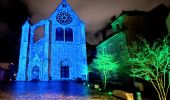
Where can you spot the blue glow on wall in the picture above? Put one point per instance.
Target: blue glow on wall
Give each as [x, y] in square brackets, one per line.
[59, 54]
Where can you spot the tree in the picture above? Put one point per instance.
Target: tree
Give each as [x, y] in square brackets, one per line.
[152, 63]
[106, 65]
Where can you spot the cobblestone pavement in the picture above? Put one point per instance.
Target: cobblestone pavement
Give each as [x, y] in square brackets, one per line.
[49, 91]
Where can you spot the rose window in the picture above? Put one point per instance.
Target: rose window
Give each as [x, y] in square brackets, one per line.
[64, 18]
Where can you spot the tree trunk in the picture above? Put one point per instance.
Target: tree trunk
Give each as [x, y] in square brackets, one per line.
[105, 80]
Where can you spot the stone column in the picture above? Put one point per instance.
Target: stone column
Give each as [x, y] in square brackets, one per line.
[21, 76]
[46, 48]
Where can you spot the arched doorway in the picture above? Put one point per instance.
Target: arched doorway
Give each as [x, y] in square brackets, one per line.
[65, 70]
[35, 73]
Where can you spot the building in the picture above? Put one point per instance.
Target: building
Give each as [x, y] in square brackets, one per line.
[151, 25]
[126, 28]
[168, 23]
[4, 71]
[54, 48]
[114, 45]
[91, 53]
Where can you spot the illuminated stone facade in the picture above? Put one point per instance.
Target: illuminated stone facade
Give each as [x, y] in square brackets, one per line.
[54, 48]
[115, 46]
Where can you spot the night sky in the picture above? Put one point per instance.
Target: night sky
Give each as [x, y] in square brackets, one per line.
[95, 13]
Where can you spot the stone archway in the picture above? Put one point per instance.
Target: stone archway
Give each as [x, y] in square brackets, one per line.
[65, 68]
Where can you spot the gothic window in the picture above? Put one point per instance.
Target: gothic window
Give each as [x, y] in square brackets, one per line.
[64, 18]
[59, 34]
[68, 34]
[39, 33]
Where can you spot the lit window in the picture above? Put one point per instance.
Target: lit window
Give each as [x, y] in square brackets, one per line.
[68, 34]
[59, 34]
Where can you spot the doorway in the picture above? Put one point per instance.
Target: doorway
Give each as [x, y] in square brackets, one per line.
[35, 73]
[64, 71]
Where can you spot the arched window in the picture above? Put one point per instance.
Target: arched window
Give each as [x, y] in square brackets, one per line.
[39, 33]
[59, 34]
[68, 34]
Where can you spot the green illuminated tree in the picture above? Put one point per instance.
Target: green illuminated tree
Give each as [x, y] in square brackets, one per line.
[106, 65]
[152, 63]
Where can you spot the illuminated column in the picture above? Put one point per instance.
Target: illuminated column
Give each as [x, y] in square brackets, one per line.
[21, 76]
[84, 60]
[30, 51]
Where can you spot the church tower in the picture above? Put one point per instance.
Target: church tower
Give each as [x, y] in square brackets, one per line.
[54, 48]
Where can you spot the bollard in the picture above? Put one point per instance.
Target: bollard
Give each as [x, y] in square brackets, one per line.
[138, 95]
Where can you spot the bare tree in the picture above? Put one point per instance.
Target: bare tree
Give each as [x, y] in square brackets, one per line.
[106, 65]
[152, 63]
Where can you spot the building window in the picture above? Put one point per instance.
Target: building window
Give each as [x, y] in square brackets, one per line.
[104, 50]
[64, 17]
[118, 27]
[68, 34]
[39, 33]
[99, 51]
[64, 5]
[59, 34]
[111, 49]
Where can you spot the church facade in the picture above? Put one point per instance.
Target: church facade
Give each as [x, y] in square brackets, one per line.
[53, 48]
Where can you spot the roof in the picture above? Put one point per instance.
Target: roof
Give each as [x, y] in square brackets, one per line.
[133, 13]
[107, 38]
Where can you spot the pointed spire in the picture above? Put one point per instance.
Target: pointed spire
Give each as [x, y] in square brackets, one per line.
[64, 0]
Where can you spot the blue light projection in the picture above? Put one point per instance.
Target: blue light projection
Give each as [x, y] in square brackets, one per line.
[61, 52]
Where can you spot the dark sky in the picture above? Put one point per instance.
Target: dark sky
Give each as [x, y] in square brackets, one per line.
[95, 13]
